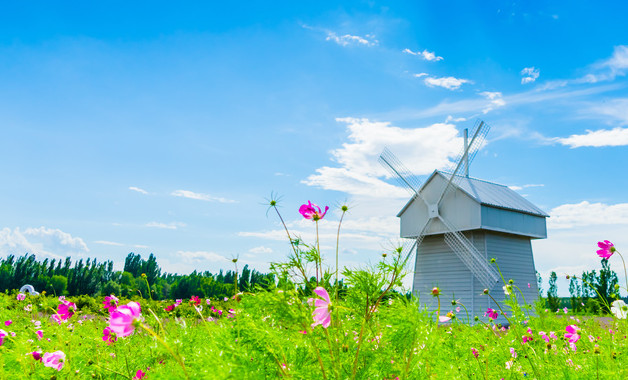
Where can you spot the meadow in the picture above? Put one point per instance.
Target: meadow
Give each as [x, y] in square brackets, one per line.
[306, 327]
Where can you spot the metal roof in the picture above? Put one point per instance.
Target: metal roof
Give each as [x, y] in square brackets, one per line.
[490, 194]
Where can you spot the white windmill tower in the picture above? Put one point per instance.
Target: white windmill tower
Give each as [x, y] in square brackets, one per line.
[457, 224]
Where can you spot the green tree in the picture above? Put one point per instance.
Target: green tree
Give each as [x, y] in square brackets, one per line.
[552, 293]
[57, 285]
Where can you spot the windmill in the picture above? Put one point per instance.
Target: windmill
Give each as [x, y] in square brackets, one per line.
[455, 224]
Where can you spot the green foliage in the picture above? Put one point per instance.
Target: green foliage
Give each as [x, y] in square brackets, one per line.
[552, 293]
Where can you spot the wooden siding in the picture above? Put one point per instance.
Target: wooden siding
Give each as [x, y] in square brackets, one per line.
[436, 265]
[513, 222]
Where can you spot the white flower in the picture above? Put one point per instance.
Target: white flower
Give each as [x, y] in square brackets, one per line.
[619, 309]
[507, 289]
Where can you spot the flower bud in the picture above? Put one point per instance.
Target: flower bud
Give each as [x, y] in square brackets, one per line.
[485, 291]
[493, 260]
[511, 281]
[435, 292]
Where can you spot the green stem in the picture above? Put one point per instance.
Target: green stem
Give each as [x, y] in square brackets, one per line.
[337, 245]
[319, 263]
[175, 356]
[625, 275]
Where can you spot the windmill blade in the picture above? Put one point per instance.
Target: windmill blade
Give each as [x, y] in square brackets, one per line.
[416, 243]
[470, 255]
[398, 170]
[470, 152]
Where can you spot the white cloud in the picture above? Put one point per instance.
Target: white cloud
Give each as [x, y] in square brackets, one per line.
[348, 39]
[105, 242]
[197, 256]
[608, 69]
[517, 188]
[602, 137]
[449, 83]
[139, 246]
[455, 119]
[261, 249]
[588, 214]
[617, 109]
[421, 149]
[141, 191]
[426, 55]
[496, 100]
[167, 226]
[42, 241]
[529, 75]
[200, 196]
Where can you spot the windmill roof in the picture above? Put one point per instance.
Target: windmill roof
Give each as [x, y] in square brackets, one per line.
[490, 194]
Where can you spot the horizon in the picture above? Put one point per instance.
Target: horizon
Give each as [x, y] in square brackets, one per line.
[163, 130]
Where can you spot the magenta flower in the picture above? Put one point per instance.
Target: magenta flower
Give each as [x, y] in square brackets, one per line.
[312, 211]
[21, 296]
[122, 320]
[110, 303]
[139, 375]
[2, 335]
[36, 355]
[66, 309]
[108, 336]
[57, 318]
[8, 323]
[513, 353]
[544, 336]
[475, 352]
[178, 301]
[322, 314]
[40, 334]
[170, 307]
[491, 313]
[54, 360]
[194, 300]
[526, 338]
[607, 249]
[572, 333]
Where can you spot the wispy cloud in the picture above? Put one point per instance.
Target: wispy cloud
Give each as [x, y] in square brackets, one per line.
[348, 39]
[588, 214]
[167, 226]
[261, 249]
[450, 83]
[426, 55]
[496, 100]
[105, 242]
[200, 196]
[197, 256]
[141, 191]
[602, 137]
[518, 188]
[529, 74]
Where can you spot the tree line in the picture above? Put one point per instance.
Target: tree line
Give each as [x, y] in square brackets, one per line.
[139, 277]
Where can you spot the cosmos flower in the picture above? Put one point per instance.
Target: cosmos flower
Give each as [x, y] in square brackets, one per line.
[195, 300]
[322, 312]
[606, 249]
[491, 313]
[572, 333]
[66, 310]
[108, 336]
[475, 352]
[2, 335]
[8, 323]
[312, 211]
[36, 355]
[139, 375]
[54, 360]
[170, 307]
[619, 309]
[40, 334]
[110, 303]
[21, 296]
[122, 320]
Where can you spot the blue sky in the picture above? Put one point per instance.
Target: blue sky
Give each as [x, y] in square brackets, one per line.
[150, 127]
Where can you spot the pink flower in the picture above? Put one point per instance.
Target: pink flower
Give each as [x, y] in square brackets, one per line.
[444, 318]
[565, 310]
[195, 300]
[108, 336]
[57, 318]
[529, 285]
[573, 346]
[54, 360]
[179, 301]
[513, 353]
[607, 249]
[544, 336]
[526, 338]
[2, 335]
[312, 211]
[491, 313]
[170, 307]
[321, 314]
[66, 310]
[61, 298]
[475, 352]
[110, 303]
[36, 355]
[139, 375]
[8, 323]
[122, 320]
[21, 296]
[40, 334]
[572, 333]
[208, 301]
